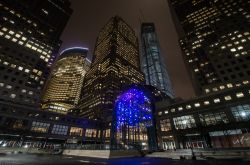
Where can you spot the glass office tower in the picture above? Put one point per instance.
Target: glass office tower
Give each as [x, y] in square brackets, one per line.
[152, 61]
[215, 40]
[29, 39]
[64, 86]
[115, 65]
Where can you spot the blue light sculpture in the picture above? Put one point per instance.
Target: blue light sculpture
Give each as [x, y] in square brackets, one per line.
[132, 108]
[133, 117]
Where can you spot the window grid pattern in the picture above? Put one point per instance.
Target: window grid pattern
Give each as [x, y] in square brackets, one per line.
[60, 129]
[184, 122]
[40, 127]
[213, 118]
[241, 112]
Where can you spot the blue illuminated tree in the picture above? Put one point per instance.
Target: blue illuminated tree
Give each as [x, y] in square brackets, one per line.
[133, 114]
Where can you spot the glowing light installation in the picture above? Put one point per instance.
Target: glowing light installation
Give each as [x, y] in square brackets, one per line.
[133, 112]
[133, 107]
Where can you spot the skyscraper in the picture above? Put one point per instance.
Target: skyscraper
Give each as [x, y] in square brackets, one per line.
[215, 41]
[63, 89]
[152, 61]
[115, 65]
[29, 39]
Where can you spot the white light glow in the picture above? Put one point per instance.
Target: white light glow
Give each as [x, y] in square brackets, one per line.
[83, 48]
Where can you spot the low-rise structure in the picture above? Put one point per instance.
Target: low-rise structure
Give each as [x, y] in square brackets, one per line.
[218, 120]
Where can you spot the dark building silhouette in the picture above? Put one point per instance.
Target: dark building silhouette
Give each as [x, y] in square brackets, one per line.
[115, 64]
[152, 61]
[29, 39]
[214, 37]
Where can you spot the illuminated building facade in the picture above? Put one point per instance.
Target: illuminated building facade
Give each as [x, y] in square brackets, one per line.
[63, 89]
[115, 64]
[43, 129]
[216, 120]
[29, 40]
[215, 39]
[152, 61]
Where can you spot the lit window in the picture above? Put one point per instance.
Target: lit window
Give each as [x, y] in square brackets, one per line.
[11, 32]
[240, 47]
[188, 106]
[14, 39]
[215, 89]
[244, 53]
[196, 70]
[7, 36]
[230, 85]
[197, 104]
[23, 90]
[172, 110]
[206, 103]
[20, 43]
[24, 38]
[233, 50]
[4, 29]
[27, 70]
[222, 87]
[159, 113]
[223, 47]
[207, 90]
[18, 35]
[239, 95]
[13, 95]
[236, 42]
[245, 82]
[216, 100]
[166, 112]
[8, 86]
[28, 45]
[5, 63]
[13, 66]
[20, 68]
[246, 33]
[30, 93]
[1, 33]
[228, 98]
[180, 108]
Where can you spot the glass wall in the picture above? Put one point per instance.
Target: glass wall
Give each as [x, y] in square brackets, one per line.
[75, 131]
[59, 129]
[184, 122]
[40, 127]
[213, 118]
[241, 112]
[165, 125]
[90, 133]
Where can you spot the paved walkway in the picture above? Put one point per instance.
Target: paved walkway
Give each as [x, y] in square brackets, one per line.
[27, 159]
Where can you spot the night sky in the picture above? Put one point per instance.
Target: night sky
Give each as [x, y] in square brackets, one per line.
[90, 16]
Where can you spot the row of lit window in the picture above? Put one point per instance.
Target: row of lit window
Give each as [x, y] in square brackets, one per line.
[18, 38]
[62, 130]
[240, 113]
[229, 85]
[21, 68]
[207, 102]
